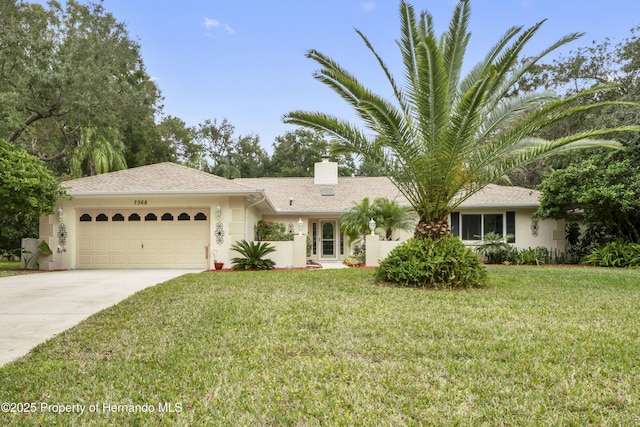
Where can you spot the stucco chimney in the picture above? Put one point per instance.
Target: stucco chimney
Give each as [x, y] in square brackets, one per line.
[325, 172]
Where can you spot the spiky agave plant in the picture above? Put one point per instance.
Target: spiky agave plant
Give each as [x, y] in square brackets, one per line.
[445, 136]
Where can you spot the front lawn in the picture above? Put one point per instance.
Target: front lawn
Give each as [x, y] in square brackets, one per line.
[12, 268]
[539, 346]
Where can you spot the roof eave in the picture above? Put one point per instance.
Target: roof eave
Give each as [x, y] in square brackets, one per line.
[164, 192]
[310, 212]
[499, 205]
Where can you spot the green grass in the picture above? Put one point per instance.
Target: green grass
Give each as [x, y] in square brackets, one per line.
[12, 268]
[539, 346]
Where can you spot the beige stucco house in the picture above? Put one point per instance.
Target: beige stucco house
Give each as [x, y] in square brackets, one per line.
[170, 216]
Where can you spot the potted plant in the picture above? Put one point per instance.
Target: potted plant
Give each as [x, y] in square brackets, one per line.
[352, 261]
[217, 265]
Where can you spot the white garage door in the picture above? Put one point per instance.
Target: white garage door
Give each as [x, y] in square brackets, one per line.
[142, 238]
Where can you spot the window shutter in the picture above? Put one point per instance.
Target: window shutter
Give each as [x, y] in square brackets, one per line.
[511, 226]
[455, 223]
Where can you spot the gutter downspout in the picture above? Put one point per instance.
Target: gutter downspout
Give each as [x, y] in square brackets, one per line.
[246, 215]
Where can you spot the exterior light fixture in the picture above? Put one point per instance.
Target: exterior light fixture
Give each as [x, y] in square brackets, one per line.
[300, 224]
[60, 214]
[372, 226]
[218, 211]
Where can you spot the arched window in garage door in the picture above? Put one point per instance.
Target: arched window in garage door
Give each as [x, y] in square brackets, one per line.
[151, 217]
[184, 217]
[85, 218]
[167, 217]
[102, 218]
[117, 217]
[134, 217]
[200, 217]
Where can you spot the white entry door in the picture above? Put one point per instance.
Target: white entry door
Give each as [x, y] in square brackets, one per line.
[328, 238]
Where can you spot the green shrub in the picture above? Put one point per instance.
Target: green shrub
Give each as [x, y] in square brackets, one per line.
[272, 231]
[252, 256]
[534, 256]
[495, 249]
[619, 253]
[445, 263]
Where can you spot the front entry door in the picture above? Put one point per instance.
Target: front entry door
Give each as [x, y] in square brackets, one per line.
[328, 240]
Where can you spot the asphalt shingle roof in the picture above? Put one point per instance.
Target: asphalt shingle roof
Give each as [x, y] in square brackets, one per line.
[307, 197]
[160, 177]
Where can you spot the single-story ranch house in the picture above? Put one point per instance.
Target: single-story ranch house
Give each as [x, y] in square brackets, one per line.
[171, 216]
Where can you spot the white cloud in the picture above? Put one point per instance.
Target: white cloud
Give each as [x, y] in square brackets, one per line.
[212, 23]
[368, 6]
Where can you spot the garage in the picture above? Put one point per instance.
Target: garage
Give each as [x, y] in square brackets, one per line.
[139, 238]
[156, 216]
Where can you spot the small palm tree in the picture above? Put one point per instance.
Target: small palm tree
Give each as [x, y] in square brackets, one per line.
[495, 248]
[446, 136]
[252, 256]
[355, 222]
[390, 216]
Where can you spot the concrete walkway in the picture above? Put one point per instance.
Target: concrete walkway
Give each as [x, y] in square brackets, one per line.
[35, 307]
[333, 264]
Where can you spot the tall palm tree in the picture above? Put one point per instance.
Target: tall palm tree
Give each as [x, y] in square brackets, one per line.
[390, 216]
[444, 137]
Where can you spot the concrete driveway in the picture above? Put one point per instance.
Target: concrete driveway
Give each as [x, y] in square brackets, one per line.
[35, 307]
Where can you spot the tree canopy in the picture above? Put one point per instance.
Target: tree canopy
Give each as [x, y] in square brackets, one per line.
[65, 69]
[445, 136]
[28, 190]
[296, 152]
[601, 186]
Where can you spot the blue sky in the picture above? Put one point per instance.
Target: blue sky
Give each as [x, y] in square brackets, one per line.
[244, 60]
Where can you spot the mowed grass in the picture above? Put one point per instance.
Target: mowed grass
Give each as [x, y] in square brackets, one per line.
[539, 346]
[12, 268]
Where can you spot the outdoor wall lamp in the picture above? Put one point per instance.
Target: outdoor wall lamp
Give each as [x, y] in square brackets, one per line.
[372, 226]
[300, 224]
[218, 211]
[60, 214]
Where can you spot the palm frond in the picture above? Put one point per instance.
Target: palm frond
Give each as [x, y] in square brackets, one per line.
[455, 45]
[442, 137]
[480, 68]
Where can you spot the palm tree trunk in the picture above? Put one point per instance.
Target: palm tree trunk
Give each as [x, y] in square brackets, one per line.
[433, 229]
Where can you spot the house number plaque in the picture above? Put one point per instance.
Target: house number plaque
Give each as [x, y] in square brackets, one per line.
[139, 202]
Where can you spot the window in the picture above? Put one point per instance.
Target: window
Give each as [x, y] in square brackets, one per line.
[117, 217]
[85, 218]
[102, 218]
[314, 238]
[476, 226]
[471, 228]
[151, 217]
[493, 223]
[134, 217]
[184, 217]
[167, 217]
[200, 217]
